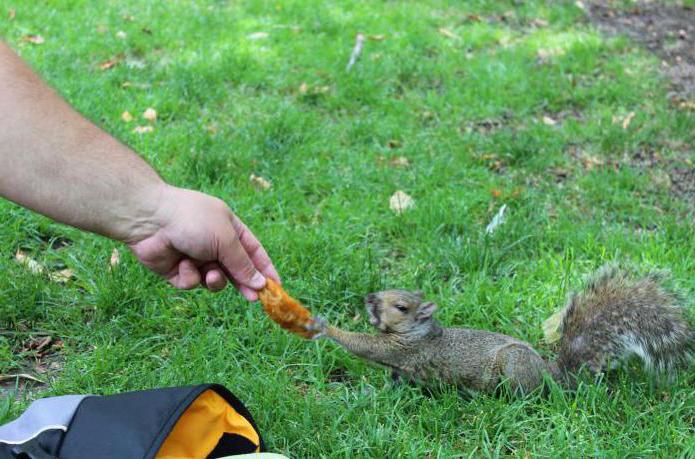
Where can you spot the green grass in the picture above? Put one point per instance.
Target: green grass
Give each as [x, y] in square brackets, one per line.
[230, 106]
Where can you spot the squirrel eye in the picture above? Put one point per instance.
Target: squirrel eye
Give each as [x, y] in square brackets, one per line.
[401, 308]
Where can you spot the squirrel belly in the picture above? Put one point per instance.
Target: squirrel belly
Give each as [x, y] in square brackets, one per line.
[614, 317]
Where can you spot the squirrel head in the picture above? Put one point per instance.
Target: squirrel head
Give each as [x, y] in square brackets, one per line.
[400, 312]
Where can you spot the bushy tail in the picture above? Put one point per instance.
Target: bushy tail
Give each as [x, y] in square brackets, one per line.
[618, 315]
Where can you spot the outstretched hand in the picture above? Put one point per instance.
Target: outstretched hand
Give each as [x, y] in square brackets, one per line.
[196, 239]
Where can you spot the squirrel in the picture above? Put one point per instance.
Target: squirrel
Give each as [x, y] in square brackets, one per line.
[614, 317]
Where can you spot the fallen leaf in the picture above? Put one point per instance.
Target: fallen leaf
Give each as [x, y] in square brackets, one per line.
[303, 88]
[257, 35]
[376, 37]
[628, 120]
[62, 276]
[21, 376]
[400, 202]
[551, 327]
[447, 33]
[473, 18]
[115, 258]
[126, 117]
[121, 35]
[399, 161]
[549, 121]
[34, 266]
[40, 343]
[109, 64]
[143, 129]
[260, 182]
[150, 114]
[11, 13]
[496, 193]
[591, 161]
[538, 22]
[34, 39]
[128, 17]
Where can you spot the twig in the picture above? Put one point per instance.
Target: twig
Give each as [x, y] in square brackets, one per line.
[21, 376]
[356, 51]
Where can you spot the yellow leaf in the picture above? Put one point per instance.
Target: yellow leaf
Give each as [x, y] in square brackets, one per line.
[126, 117]
[34, 39]
[551, 327]
[447, 33]
[628, 120]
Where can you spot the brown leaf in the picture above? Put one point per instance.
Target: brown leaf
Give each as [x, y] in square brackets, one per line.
[496, 193]
[109, 64]
[34, 266]
[447, 33]
[34, 39]
[11, 13]
[143, 129]
[538, 22]
[150, 114]
[260, 182]
[400, 202]
[126, 117]
[473, 17]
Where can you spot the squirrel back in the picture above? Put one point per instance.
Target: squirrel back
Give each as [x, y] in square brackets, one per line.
[617, 316]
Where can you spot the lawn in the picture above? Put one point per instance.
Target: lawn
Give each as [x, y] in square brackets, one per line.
[464, 106]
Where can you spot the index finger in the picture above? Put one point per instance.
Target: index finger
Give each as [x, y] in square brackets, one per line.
[259, 257]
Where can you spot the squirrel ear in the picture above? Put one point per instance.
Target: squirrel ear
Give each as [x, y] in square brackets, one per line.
[425, 311]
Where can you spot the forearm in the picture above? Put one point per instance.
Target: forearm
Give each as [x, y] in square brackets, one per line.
[372, 347]
[56, 162]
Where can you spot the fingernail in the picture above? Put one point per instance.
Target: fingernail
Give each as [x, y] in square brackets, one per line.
[257, 281]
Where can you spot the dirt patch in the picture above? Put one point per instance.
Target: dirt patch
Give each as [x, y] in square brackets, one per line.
[666, 30]
[683, 183]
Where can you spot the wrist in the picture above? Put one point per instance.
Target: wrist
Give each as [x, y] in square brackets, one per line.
[142, 215]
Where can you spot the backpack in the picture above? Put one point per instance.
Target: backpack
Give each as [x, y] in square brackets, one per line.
[202, 421]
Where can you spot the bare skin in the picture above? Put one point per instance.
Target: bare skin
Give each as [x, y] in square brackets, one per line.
[57, 163]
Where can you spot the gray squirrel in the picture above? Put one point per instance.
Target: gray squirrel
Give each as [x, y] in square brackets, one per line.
[615, 316]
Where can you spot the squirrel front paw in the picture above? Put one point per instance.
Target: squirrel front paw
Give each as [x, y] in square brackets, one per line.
[318, 324]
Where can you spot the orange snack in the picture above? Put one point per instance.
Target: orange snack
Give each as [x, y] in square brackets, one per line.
[285, 310]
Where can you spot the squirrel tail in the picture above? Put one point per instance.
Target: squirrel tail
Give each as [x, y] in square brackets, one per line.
[618, 315]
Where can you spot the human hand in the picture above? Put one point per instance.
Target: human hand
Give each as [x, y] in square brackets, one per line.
[196, 239]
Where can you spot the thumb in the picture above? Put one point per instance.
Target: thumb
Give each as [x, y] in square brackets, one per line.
[238, 265]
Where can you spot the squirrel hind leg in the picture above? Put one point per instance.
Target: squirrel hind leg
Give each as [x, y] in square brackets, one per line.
[521, 367]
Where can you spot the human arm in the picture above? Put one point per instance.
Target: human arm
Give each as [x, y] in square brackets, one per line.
[57, 163]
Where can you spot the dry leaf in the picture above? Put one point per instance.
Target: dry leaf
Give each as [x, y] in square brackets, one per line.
[34, 266]
[628, 119]
[106, 65]
[143, 129]
[551, 327]
[376, 37]
[128, 17]
[400, 202]
[121, 35]
[61, 276]
[150, 114]
[473, 17]
[260, 182]
[115, 258]
[538, 22]
[11, 13]
[399, 161]
[393, 143]
[591, 161]
[549, 121]
[34, 39]
[447, 33]
[126, 117]
[303, 88]
[257, 35]
[496, 193]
